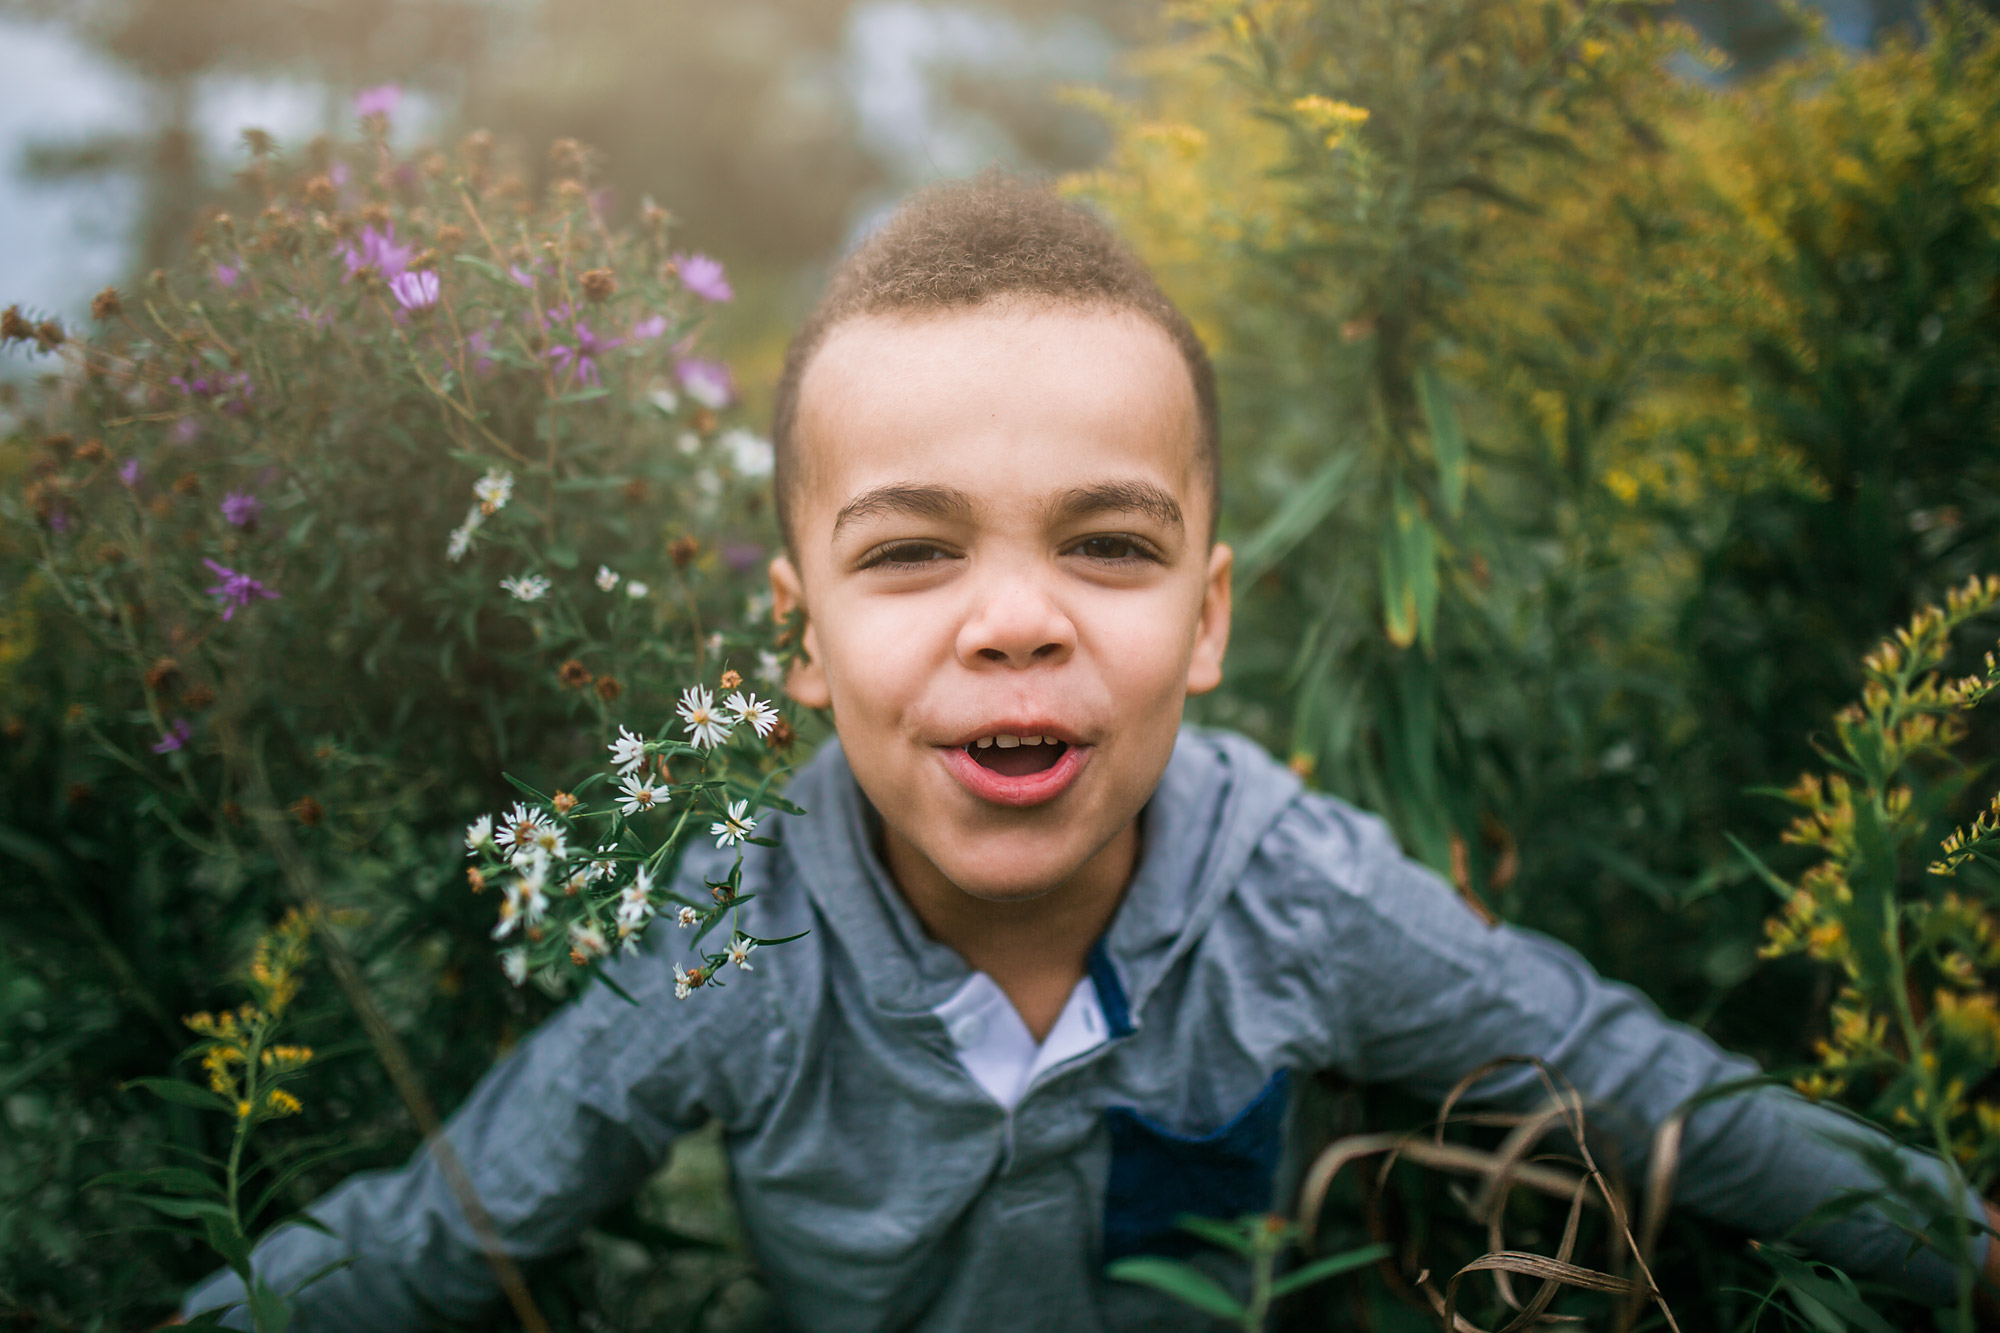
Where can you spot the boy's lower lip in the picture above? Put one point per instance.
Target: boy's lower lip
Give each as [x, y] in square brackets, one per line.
[1029, 789]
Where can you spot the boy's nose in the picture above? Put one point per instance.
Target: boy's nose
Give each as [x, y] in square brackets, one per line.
[1015, 623]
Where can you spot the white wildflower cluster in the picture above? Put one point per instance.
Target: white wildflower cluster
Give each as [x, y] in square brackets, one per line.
[491, 494]
[578, 879]
[526, 587]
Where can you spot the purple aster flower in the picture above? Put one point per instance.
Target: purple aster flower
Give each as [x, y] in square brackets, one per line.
[174, 737]
[337, 174]
[226, 275]
[581, 360]
[187, 430]
[378, 251]
[313, 319]
[241, 508]
[707, 382]
[652, 326]
[480, 344]
[381, 100]
[235, 591]
[743, 556]
[129, 472]
[58, 521]
[522, 276]
[703, 276]
[417, 289]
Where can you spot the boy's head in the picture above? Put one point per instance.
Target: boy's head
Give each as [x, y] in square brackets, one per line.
[998, 481]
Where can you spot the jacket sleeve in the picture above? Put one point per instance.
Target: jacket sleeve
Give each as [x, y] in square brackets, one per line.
[1426, 993]
[565, 1126]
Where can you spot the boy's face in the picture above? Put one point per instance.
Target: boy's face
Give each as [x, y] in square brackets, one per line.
[1000, 527]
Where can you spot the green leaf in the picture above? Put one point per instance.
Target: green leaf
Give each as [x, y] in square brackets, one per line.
[1332, 1266]
[194, 1209]
[1839, 1298]
[1229, 1235]
[1295, 520]
[268, 1308]
[1178, 1280]
[1447, 438]
[173, 1179]
[1409, 573]
[581, 396]
[1764, 872]
[187, 1094]
[324, 1270]
[226, 1240]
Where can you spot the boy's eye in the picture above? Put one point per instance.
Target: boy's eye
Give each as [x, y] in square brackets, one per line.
[1114, 548]
[906, 555]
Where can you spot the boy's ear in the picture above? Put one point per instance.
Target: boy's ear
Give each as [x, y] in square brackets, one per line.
[1211, 632]
[806, 681]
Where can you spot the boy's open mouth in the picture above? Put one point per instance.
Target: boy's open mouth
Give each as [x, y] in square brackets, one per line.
[1016, 756]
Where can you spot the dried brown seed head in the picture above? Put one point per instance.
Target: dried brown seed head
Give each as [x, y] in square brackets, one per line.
[105, 305]
[320, 190]
[91, 451]
[14, 327]
[683, 551]
[308, 811]
[574, 674]
[187, 484]
[197, 697]
[598, 284]
[564, 802]
[609, 688]
[450, 237]
[730, 680]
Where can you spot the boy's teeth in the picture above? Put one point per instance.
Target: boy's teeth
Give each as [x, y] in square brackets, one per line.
[985, 742]
[1007, 742]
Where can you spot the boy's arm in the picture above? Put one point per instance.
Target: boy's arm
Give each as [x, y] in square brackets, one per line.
[1426, 993]
[570, 1122]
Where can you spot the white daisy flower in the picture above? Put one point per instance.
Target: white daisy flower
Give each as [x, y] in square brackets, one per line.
[770, 667]
[479, 835]
[635, 589]
[604, 867]
[526, 899]
[607, 578]
[587, 939]
[749, 708]
[736, 827]
[637, 794]
[633, 907]
[705, 726]
[577, 882]
[494, 490]
[461, 536]
[683, 982]
[519, 827]
[628, 752]
[739, 953]
[514, 962]
[687, 916]
[526, 587]
[549, 840]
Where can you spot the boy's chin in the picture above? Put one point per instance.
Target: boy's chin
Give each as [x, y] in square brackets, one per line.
[1009, 879]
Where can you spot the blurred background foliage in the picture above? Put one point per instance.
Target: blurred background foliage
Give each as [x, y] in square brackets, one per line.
[1591, 405]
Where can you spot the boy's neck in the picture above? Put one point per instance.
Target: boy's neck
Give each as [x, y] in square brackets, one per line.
[1036, 950]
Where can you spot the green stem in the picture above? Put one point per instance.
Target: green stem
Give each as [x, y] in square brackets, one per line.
[1259, 1308]
[1906, 1019]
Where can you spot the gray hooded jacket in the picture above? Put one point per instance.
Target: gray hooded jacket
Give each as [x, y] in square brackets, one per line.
[903, 1162]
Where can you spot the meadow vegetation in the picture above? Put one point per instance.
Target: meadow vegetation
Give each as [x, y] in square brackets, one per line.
[1589, 419]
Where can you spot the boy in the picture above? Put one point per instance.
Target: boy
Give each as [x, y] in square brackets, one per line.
[1063, 954]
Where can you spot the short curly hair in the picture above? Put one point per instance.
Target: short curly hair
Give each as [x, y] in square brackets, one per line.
[961, 244]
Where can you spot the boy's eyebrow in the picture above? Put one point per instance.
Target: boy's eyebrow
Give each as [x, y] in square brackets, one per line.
[940, 502]
[1143, 497]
